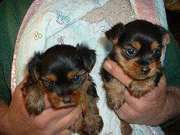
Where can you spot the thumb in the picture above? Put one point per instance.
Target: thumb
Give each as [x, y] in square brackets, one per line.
[18, 93]
[114, 69]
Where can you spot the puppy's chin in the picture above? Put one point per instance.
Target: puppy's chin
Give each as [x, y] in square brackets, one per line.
[141, 76]
[138, 75]
[58, 102]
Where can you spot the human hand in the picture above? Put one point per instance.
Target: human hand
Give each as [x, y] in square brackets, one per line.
[144, 110]
[49, 122]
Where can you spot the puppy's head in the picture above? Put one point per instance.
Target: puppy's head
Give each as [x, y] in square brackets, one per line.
[63, 70]
[138, 47]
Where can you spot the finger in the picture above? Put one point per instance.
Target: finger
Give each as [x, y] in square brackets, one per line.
[47, 103]
[162, 82]
[131, 100]
[21, 84]
[126, 113]
[51, 115]
[150, 98]
[117, 72]
[68, 120]
[18, 99]
[152, 95]
[18, 93]
[64, 132]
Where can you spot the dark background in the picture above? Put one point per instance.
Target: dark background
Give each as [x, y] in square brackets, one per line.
[173, 18]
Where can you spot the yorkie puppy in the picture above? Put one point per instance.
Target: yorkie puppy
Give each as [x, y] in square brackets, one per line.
[137, 48]
[62, 72]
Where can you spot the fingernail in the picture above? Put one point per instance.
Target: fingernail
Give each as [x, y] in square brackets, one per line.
[107, 65]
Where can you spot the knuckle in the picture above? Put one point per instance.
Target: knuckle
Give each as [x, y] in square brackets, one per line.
[138, 105]
[39, 124]
[134, 115]
[115, 69]
[129, 115]
[123, 115]
[139, 108]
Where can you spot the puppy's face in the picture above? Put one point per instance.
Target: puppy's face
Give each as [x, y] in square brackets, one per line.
[63, 71]
[139, 61]
[138, 47]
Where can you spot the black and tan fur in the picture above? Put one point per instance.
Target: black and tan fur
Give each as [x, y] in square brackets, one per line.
[137, 48]
[62, 72]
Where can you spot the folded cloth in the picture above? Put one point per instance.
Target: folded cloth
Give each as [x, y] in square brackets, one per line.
[50, 22]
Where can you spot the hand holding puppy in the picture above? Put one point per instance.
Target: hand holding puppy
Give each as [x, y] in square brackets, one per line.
[16, 120]
[62, 74]
[144, 110]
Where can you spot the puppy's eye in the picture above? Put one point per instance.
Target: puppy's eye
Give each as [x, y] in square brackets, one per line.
[156, 53]
[130, 52]
[48, 84]
[76, 78]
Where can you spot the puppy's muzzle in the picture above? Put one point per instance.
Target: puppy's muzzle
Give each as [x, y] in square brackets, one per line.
[145, 69]
[67, 99]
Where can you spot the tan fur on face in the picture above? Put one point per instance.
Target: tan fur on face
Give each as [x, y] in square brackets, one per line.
[71, 74]
[51, 77]
[154, 45]
[155, 67]
[90, 122]
[77, 97]
[136, 45]
[132, 68]
[57, 101]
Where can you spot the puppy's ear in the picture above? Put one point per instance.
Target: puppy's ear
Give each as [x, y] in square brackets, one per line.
[34, 66]
[87, 56]
[164, 35]
[114, 33]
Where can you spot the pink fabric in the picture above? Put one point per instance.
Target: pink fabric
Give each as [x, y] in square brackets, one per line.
[31, 11]
[146, 10]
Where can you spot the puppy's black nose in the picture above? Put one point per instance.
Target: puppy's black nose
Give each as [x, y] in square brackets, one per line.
[145, 69]
[67, 99]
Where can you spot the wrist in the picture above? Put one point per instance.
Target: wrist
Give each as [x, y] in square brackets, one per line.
[4, 119]
[172, 106]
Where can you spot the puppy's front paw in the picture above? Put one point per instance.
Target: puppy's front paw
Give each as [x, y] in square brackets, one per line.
[125, 128]
[92, 125]
[137, 93]
[140, 88]
[115, 102]
[34, 103]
